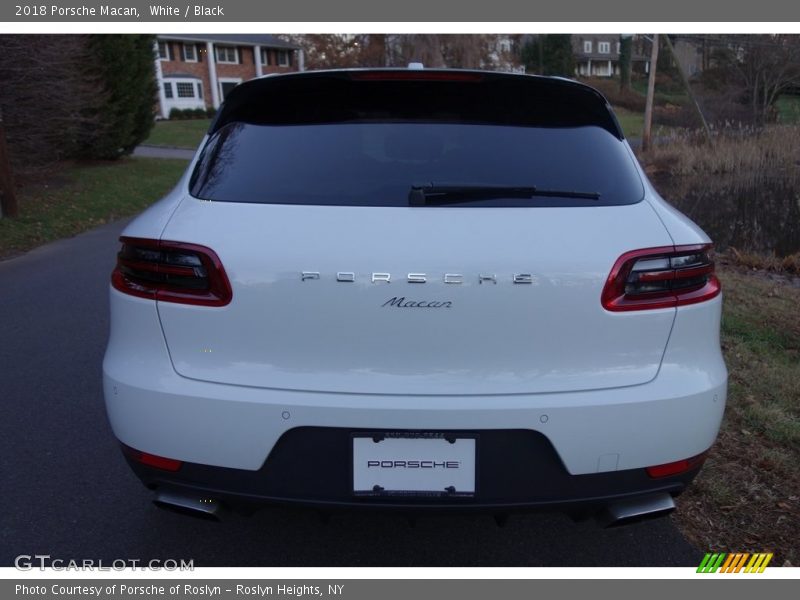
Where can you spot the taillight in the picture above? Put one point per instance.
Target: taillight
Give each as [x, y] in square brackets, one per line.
[663, 277]
[171, 272]
[416, 75]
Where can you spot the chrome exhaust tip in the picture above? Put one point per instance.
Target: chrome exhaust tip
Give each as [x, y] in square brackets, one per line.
[209, 509]
[634, 510]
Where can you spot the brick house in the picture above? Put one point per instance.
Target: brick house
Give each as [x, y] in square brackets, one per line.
[198, 71]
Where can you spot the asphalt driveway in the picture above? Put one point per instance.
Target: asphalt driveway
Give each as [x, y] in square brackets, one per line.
[68, 493]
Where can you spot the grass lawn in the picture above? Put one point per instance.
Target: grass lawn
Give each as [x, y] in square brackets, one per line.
[81, 196]
[674, 94]
[178, 134]
[631, 122]
[746, 497]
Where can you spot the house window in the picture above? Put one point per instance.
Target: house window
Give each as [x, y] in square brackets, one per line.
[200, 90]
[185, 89]
[189, 53]
[604, 47]
[167, 89]
[587, 46]
[227, 54]
[163, 51]
[283, 58]
[617, 47]
[266, 57]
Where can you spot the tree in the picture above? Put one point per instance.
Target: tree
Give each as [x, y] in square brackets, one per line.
[71, 96]
[46, 97]
[8, 196]
[762, 66]
[532, 55]
[123, 65]
[338, 50]
[466, 51]
[550, 54]
[625, 61]
[328, 51]
[418, 47]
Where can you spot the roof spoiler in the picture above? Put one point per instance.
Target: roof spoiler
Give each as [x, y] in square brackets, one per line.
[423, 95]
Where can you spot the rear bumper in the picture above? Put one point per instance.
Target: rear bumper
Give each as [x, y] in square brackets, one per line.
[573, 447]
[311, 466]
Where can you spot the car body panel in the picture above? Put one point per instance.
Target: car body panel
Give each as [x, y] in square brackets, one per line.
[151, 407]
[283, 332]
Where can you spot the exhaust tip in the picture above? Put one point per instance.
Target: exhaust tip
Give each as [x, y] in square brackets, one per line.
[208, 509]
[636, 510]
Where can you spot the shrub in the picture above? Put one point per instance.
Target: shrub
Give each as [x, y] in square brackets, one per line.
[629, 98]
[723, 106]
[672, 115]
[738, 153]
[181, 114]
[123, 65]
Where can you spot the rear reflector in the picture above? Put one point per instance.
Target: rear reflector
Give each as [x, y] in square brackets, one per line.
[663, 277]
[677, 467]
[171, 272]
[152, 460]
[159, 462]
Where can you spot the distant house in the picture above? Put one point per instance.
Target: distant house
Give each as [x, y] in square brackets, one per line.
[598, 55]
[691, 52]
[198, 71]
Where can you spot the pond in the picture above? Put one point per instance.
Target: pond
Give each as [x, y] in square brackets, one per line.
[750, 214]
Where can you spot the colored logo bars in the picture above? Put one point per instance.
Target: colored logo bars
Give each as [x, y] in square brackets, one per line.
[735, 562]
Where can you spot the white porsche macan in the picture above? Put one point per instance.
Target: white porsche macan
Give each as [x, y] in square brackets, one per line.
[415, 289]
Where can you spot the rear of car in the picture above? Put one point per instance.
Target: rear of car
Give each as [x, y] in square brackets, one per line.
[415, 289]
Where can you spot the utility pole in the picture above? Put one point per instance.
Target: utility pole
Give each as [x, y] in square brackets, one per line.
[685, 81]
[8, 199]
[651, 90]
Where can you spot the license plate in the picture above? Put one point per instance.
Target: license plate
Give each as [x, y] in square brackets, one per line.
[414, 464]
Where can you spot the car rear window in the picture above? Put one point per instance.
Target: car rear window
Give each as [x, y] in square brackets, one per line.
[336, 141]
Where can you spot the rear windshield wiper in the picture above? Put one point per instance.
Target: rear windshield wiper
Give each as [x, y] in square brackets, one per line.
[433, 194]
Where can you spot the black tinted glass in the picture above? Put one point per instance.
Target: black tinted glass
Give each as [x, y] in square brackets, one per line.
[375, 164]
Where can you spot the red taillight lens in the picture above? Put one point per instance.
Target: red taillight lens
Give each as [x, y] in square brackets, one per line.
[171, 272]
[663, 277]
[159, 462]
[152, 460]
[677, 467]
